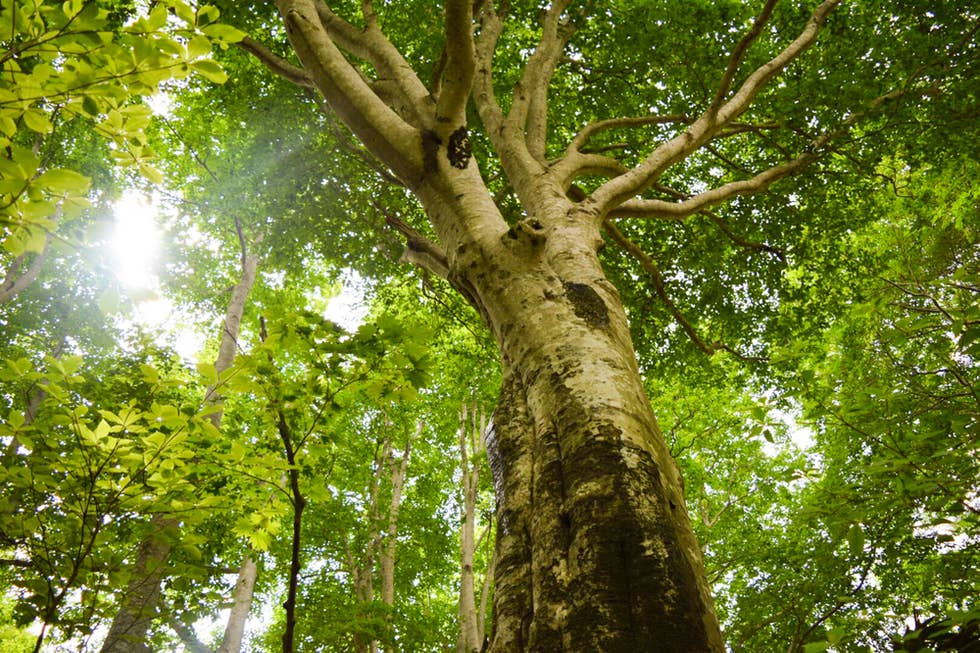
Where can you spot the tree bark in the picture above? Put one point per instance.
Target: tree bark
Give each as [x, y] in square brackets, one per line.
[594, 548]
[241, 606]
[128, 631]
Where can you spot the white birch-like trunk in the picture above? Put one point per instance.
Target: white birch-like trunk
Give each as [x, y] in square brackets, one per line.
[129, 629]
[471, 427]
[240, 607]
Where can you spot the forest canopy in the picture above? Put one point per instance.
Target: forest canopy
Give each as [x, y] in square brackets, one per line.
[489, 325]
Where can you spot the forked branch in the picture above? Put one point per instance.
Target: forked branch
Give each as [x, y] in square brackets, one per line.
[380, 128]
[657, 208]
[621, 189]
[529, 105]
[396, 82]
[764, 73]
[654, 208]
[739, 53]
[491, 25]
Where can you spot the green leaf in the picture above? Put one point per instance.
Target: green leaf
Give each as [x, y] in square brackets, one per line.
[208, 371]
[198, 46]
[207, 14]
[38, 121]
[151, 173]
[150, 374]
[855, 539]
[63, 180]
[224, 33]
[72, 8]
[15, 419]
[212, 70]
[237, 451]
[836, 635]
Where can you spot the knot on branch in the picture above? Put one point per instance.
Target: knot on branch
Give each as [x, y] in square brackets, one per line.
[528, 230]
[459, 149]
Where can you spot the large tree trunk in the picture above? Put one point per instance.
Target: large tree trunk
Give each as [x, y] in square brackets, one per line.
[595, 551]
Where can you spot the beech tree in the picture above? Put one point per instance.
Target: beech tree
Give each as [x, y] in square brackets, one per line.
[594, 546]
[579, 175]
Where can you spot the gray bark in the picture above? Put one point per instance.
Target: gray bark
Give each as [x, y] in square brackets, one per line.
[471, 429]
[128, 631]
[240, 607]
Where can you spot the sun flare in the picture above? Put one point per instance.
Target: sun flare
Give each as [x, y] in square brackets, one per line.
[136, 241]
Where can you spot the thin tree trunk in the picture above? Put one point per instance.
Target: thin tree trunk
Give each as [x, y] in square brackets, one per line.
[16, 277]
[382, 544]
[481, 616]
[299, 503]
[128, 631]
[398, 469]
[363, 589]
[31, 409]
[240, 607]
[135, 615]
[471, 427]
[188, 637]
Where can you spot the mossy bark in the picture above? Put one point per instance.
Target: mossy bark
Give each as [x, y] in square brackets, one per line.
[595, 551]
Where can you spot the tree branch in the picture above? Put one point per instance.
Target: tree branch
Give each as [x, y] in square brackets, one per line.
[397, 83]
[620, 189]
[595, 128]
[456, 80]
[739, 53]
[651, 267]
[275, 63]
[529, 104]
[507, 134]
[720, 223]
[419, 250]
[762, 75]
[484, 96]
[380, 128]
[653, 208]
